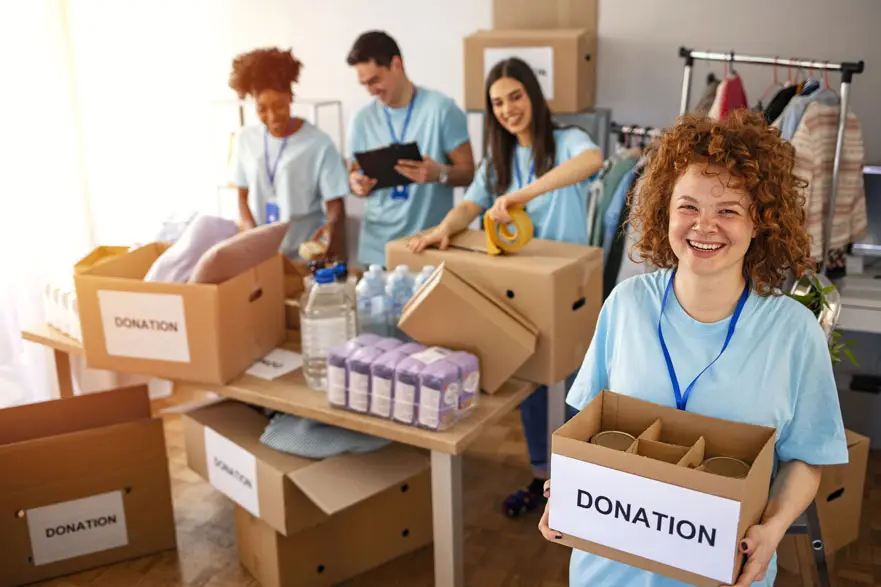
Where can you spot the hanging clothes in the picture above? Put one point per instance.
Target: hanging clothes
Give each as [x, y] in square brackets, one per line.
[779, 102]
[792, 114]
[708, 96]
[614, 239]
[618, 170]
[730, 96]
[814, 143]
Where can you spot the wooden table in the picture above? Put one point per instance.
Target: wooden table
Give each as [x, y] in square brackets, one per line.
[290, 394]
[63, 347]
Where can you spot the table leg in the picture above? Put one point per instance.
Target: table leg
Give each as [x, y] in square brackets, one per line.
[446, 505]
[556, 410]
[62, 370]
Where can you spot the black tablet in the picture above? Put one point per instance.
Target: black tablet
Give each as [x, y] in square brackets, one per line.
[379, 164]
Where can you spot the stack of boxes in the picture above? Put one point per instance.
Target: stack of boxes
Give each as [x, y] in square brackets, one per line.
[557, 38]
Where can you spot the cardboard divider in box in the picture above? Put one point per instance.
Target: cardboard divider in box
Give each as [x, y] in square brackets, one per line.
[449, 312]
[674, 496]
[84, 484]
[555, 286]
[204, 333]
[839, 504]
[289, 500]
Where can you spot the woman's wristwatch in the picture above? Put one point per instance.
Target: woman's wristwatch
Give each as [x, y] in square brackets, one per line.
[444, 175]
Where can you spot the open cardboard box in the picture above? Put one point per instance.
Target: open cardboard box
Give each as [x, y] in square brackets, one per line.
[303, 521]
[839, 507]
[449, 312]
[557, 287]
[203, 333]
[649, 506]
[84, 484]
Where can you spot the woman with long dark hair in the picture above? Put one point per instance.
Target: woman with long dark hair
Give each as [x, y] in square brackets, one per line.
[525, 144]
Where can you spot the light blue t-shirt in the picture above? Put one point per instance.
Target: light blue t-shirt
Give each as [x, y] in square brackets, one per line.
[560, 215]
[310, 170]
[438, 126]
[776, 372]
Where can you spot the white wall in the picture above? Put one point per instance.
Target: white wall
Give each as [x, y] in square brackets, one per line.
[147, 72]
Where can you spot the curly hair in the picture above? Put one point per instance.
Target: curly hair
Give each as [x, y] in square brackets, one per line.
[762, 163]
[264, 69]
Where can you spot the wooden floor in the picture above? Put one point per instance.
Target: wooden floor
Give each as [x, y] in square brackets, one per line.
[498, 552]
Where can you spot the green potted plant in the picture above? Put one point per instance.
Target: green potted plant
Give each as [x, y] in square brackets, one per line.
[815, 295]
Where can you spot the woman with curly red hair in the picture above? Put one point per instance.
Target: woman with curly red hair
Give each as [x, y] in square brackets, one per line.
[720, 214]
[285, 167]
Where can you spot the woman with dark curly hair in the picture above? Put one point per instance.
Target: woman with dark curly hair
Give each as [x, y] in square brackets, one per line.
[285, 167]
[720, 213]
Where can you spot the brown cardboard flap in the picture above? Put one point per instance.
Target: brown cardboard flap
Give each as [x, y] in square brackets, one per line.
[75, 414]
[337, 483]
[131, 265]
[438, 274]
[98, 255]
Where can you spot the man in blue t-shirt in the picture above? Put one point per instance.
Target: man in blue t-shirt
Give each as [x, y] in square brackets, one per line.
[403, 113]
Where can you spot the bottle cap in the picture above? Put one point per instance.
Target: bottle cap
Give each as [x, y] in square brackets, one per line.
[402, 269]
[375, 268]
[325, 276]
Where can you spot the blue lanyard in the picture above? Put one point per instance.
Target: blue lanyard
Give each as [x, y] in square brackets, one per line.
[270, 172]
[391, 127]
[681, 400]
[519, 177]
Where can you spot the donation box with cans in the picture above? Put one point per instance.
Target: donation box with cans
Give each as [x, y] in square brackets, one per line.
[658, 488]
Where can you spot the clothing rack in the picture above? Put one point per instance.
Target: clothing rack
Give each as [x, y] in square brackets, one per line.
[847, 68]
[629, 130]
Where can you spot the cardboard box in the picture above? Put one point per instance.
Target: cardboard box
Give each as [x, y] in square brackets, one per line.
[84, 484]
[380, 529]
[555, 286]
[203, 333]
[289, 493]
[545, 14]
[562, 59]
[97, 256]
[483, 325]
[648, 507]
[839, 507]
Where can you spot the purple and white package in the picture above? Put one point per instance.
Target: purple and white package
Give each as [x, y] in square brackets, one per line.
[359, 364]
[387, 343]
[337, 373]
[469, 368]
[439, 386]
[366, 339]
[409, 348]
[406, 388]
[383, 381]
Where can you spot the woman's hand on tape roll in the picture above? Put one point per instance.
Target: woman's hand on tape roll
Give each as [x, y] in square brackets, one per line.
[499, 210]
[439, 235]
[759, 546]
[543, 527]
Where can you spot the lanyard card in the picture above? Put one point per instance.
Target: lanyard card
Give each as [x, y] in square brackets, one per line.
[271, 212]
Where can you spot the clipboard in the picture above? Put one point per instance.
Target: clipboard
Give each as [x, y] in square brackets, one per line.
[379, 164]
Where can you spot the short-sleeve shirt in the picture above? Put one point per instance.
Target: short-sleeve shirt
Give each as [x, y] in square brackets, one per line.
[776, 372]
[560, 215]
[438, 126]
[310, 170]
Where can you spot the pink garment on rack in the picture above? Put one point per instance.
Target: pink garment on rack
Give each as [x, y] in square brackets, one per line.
[732, 96]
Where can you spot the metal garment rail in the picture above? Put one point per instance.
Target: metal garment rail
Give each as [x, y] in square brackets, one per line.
[847, 69]
[634, 131]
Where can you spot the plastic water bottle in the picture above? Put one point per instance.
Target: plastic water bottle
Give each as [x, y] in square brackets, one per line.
[423, 276]
[327, 320]
[380, 272]
[372, 313]
[398, 291]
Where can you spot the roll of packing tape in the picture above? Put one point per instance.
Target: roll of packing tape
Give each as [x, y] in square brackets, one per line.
[500, 239]
[310, 250]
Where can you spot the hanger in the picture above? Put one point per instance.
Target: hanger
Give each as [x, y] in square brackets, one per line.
[730, 65]
[774, 84]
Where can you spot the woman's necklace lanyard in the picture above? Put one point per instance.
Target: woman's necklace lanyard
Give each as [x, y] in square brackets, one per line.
[682, 400]
[272, 206]
[401, 192]
[531, 177]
